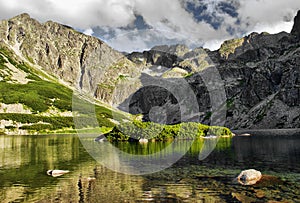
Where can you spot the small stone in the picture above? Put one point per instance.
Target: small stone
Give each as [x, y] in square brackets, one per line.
[283, 201]
[260, 194]
[242, 197]
[143, 141]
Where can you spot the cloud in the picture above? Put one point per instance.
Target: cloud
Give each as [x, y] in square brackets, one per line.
[78, 13]
[88, 31]
[267, 15]
[272, 28]
[194, 22]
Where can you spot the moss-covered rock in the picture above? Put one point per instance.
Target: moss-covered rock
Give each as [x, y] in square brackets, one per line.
[229, 46]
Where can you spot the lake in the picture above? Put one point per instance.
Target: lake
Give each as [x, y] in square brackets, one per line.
[24, 161]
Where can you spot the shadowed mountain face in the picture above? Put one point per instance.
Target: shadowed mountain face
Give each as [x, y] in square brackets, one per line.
[258, 74]
[296, 28]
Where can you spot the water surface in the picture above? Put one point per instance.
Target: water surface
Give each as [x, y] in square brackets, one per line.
[24, 161]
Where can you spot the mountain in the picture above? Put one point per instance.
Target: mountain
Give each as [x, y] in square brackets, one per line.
[251, 82]
[260, 76]
[38, 83]
[259, 72]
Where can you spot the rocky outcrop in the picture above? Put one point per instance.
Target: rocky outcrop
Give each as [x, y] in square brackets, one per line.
[296, 28]
[259, 74]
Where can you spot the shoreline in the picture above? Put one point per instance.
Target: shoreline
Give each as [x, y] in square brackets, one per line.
[268, 132]
[241, 132]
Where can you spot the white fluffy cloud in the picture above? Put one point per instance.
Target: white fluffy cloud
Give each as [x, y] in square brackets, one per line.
[88, 31]
[78, 13]
[270, 14]
[169, 20]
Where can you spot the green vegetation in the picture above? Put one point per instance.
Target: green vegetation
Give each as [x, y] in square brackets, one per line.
[43, 93]
[55, 122]
[39, 96]
[189, 75]
[122, 77]
[2, 60]
[230, 103]
[137, 130]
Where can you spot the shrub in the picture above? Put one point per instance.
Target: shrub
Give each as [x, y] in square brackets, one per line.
[137, 129]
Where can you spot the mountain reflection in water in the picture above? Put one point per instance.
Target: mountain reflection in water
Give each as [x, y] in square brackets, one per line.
[24, 161]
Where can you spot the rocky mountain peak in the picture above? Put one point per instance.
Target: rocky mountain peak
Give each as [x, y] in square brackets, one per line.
[296, 28]
[179, 49]
[22, 17]
[61, 51]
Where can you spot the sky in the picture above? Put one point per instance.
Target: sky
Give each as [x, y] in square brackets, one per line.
[136, 25]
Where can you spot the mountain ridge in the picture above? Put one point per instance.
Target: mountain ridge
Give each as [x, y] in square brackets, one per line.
[259, 72]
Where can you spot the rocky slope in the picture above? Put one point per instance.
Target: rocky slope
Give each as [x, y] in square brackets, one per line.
[260, 75]
[35, 100]
[83, 62]
[252, 82]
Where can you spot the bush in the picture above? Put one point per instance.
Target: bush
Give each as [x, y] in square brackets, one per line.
[37, 127]
[137, 129]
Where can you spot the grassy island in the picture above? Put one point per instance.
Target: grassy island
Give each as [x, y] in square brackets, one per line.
[136, 130]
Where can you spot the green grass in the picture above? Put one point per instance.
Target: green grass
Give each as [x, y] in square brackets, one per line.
[39, 95]
[2, 60]
[53, 123]
[189, 75]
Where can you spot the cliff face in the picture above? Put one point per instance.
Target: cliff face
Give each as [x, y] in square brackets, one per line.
[258, 74]
[81, 61]
[267, 93]
[296, 29]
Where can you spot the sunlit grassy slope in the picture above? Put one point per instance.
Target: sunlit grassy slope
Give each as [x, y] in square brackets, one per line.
[47, 104]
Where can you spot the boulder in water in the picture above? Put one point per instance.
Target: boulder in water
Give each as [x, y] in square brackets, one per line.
[249, 177]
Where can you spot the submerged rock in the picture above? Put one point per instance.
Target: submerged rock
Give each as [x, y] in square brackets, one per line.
[249, 177]
[269, 180]
[242, 197]
[57, 173]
